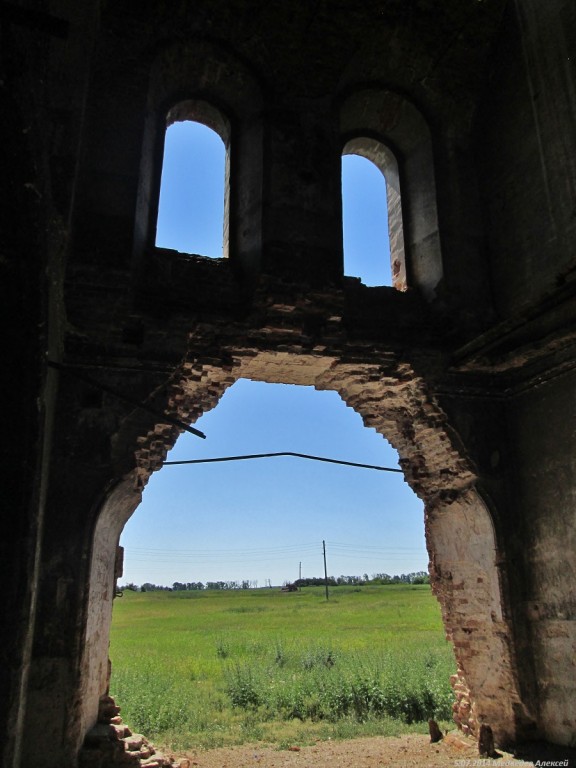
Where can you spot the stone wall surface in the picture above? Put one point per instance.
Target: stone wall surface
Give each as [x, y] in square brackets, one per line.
[548, 598]
[526, 122]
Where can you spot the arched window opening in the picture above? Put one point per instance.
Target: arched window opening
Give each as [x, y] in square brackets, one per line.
[365, 222]
[373, 236]
[193, 202]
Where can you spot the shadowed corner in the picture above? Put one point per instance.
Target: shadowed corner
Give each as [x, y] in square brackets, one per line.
[543, 754]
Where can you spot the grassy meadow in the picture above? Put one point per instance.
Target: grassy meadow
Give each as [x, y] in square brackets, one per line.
[216, 668]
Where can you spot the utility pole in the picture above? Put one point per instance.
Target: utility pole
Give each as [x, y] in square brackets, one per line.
[325, 569]
[300, 576]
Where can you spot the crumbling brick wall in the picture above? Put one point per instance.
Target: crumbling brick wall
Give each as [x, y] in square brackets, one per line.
[391, 398]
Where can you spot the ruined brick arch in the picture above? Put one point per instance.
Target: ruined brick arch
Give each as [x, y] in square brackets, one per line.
[460, 535]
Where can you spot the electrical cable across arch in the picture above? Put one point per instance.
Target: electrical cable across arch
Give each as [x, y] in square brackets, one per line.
[283, 453]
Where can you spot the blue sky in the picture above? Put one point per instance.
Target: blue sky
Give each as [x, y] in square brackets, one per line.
[265, 519]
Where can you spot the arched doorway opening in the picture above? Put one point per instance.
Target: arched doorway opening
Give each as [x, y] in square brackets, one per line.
[262, 522]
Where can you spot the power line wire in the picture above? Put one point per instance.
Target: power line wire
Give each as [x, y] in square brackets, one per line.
[312, 547]
[283, 453]
[288, 550]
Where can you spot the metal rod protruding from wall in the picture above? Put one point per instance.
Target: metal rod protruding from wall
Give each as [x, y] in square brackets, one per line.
[125, 398]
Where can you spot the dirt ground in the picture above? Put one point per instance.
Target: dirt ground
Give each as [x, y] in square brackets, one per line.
[413, 751]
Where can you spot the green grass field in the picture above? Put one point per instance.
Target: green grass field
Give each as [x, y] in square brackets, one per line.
[214, 668]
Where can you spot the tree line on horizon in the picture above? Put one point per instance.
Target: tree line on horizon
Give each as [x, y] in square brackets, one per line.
[417, 577]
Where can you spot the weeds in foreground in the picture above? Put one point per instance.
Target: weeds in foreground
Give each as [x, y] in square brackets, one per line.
[253, 700]
[203, 675]
[410, 689]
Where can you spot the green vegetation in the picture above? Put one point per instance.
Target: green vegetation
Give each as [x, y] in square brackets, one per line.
[417, 577]
[210, 668]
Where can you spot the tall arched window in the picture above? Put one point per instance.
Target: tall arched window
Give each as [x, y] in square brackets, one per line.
[365, 222]
[372, 215]
[193, 203]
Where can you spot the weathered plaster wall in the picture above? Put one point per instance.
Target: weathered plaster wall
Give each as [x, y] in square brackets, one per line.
[466, 580]
[21, 280]
[42, 76]
[544, 503]
[121, 502]
[527, 156]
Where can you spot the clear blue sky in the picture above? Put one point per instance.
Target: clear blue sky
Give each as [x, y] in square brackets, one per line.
[260, 519]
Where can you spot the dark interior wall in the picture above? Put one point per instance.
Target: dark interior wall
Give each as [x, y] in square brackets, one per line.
[140, 52]
[526, 132]
[483, 425]
[542, 504]
[523, 445]
[526, 161]
[21, 280]
[40, 103]
[107, 181]
[65, 109]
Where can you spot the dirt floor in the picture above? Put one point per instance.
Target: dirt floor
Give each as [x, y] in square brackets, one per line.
[413, 751]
